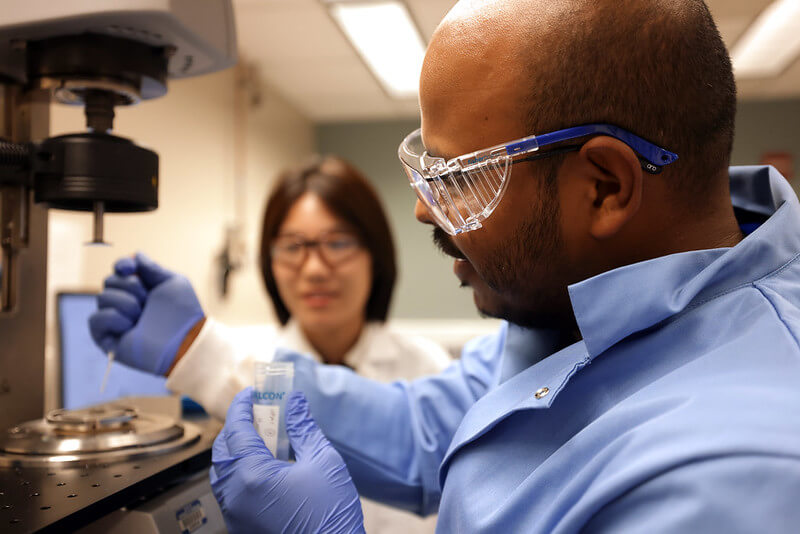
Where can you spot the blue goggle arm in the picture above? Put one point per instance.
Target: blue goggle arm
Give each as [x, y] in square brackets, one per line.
[652, 153]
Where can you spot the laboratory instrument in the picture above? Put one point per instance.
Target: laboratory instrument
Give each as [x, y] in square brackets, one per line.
[99, 55]
[72, 467]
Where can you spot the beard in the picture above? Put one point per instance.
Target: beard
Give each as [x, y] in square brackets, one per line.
[524, 276]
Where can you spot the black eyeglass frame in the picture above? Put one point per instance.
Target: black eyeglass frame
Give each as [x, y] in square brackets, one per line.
[317, 244]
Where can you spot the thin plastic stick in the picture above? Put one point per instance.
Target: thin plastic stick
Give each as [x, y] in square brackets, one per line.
[108, 370]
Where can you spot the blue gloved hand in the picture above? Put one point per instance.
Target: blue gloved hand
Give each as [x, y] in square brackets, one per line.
[144, 312]
[258, 493]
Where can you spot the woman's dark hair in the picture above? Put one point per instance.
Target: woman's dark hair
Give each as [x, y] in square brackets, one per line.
[348, 194]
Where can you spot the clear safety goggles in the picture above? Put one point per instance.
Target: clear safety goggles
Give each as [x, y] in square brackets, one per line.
[461, 192]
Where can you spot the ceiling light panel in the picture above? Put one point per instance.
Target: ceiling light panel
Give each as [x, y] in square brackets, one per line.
[771, 43]
[386, 38]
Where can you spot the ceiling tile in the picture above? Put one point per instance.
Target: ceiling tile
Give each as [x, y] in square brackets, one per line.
[734, 16]
[335, 109]
[736, 8]
[731, 28]
[428, 13]
[249, 3]
[785, 86]
[340, 77]
[278, 31]
[302, 54]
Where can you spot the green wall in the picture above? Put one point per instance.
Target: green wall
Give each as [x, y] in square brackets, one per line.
[427, 287]
[768, 126]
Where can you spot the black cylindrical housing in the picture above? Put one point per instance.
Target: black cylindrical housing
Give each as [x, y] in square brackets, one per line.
[74, 171]
[101, 57]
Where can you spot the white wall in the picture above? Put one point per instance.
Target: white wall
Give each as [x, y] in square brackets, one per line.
[192, 129]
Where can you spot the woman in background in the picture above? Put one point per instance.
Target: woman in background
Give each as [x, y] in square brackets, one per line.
[328, 263]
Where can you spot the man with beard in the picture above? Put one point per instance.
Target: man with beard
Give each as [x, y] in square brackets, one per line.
[647, 377]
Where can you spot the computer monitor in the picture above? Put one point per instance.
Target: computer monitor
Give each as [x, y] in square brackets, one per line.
[83, 364]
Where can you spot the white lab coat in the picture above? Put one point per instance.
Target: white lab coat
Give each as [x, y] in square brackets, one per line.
[220, 363]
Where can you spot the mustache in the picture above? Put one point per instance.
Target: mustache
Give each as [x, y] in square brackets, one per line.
[442, 241]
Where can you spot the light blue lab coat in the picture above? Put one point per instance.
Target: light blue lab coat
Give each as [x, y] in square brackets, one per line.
[679, 411]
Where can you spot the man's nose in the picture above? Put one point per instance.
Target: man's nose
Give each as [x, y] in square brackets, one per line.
[422, 214]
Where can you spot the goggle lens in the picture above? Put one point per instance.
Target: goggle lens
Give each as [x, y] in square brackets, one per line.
[458, 201]
[460, 194]
[429, 196]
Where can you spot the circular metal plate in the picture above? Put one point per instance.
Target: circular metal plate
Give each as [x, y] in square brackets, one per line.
[108, 432]
[92, 419]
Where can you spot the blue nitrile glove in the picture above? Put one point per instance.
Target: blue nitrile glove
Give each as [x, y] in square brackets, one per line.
[258, 493]
[144, 312]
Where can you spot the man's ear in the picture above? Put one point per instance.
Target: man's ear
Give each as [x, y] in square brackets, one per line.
[616, 184]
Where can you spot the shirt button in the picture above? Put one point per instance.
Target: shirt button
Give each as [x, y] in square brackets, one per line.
[541, 392]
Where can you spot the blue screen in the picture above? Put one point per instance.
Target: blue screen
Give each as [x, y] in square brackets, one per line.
[83, 363]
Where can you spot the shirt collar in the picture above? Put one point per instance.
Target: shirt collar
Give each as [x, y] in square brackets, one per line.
[525, 347]
[611, 306]
[364, 349]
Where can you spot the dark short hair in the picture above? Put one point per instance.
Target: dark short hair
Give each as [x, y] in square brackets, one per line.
[348, 194]
[658, 68]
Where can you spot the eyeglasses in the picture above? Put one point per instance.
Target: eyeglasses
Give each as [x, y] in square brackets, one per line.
[335, 248]
[461, 192]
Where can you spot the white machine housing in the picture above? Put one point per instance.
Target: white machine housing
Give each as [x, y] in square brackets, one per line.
[202, 32]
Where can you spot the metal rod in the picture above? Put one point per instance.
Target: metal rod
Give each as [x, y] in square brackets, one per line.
[10, 241]
[99, 210]
[7, 279]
